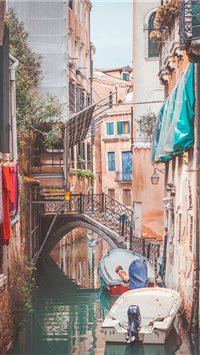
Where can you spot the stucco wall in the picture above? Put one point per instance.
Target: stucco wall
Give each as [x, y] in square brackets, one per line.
[150, 195]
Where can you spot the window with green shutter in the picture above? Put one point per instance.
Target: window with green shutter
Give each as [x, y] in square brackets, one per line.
[123, 127]
[109, 128]
[119, 127]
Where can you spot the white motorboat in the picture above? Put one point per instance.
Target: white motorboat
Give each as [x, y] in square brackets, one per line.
[143, 315]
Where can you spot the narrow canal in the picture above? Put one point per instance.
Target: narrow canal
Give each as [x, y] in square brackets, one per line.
[68, 309]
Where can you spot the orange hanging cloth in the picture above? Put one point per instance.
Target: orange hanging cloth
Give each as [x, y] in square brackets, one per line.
[5, 232]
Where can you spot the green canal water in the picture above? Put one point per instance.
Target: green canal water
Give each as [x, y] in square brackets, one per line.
[68, 310]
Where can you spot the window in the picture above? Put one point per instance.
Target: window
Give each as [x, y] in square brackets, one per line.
[70, 43]
[111, 193]
[72, 163]
[81, 11]
[152, 45]
[81, 156]
[81, 57]
[111, 161]
[125, 76]
[87, 21]
[70, 4]
[76, 50]
[127, 197]
[109, 128]
[87, 66]
[72, 97]
[89, 166]
[126, 166]
[123, 127]
[76, 7]
[82, 99]
[110, 99]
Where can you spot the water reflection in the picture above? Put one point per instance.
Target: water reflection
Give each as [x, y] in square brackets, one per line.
[69, 309]
[172, 345]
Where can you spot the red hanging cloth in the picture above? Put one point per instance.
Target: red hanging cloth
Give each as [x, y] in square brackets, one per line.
[5, 232]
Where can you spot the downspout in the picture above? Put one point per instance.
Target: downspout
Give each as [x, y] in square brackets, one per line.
[195, 307]
[13, 105]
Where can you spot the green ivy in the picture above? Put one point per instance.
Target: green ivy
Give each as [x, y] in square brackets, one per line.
[85, 173]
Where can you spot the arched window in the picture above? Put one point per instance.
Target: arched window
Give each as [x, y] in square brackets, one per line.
[152, 45]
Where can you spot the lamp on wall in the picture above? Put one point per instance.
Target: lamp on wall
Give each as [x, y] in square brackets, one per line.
[155, 177]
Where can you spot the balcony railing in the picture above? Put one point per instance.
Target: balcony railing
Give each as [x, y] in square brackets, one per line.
[121, 176]
[189, 22]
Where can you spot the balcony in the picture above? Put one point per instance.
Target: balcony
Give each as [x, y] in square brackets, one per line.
[168, 50]
[121, 176]
[189, 32]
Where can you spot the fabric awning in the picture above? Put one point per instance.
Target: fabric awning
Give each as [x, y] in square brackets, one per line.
[174, 129]
[78, 125]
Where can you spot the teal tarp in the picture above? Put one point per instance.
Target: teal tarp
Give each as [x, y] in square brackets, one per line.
[174, 130]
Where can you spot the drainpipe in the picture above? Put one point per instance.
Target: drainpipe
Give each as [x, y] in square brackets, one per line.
[195, 308]
[13, 106]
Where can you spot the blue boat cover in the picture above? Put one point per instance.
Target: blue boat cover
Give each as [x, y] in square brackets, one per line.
[138, 274]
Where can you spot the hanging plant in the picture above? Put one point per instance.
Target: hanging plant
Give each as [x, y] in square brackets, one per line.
[155, 36]
[165, 12]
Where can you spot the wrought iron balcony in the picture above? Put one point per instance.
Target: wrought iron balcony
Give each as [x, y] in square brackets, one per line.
[189, 30]
[121, 176]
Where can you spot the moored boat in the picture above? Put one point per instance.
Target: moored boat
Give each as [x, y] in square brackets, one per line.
[144, 315]
[121, 258]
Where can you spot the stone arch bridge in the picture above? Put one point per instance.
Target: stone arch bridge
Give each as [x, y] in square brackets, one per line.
[97, 212]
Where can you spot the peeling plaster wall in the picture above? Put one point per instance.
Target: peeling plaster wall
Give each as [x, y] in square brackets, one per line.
[180, 247]
[150, 195]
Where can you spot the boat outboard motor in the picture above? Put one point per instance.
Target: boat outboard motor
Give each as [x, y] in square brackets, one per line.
[134, 322]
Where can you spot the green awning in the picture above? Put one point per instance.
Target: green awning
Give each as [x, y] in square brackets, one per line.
[174, 129]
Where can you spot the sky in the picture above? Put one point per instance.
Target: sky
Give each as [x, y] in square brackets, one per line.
[111, 32]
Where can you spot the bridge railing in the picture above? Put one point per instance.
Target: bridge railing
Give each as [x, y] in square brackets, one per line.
[100, 207]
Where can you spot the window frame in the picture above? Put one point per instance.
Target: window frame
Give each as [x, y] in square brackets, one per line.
[151, 44]
[124, 202]
[146, 35]
[123, 121]
[111, 171]
[106, 123]
[126, 73]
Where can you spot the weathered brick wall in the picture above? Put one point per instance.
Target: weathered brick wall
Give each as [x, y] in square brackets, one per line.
[10, 293]
[80, 185]
[7, 328]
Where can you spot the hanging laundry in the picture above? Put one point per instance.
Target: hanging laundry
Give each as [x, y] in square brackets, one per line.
[5, 232]
[1, 196]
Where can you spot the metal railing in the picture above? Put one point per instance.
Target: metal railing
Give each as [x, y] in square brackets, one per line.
[101, 208]
[185, 23]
